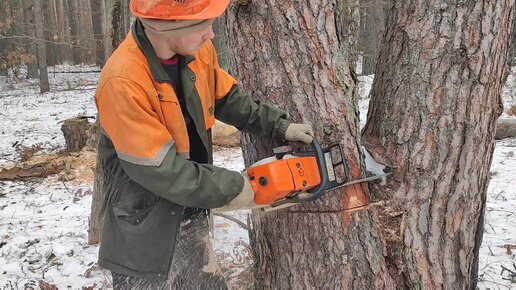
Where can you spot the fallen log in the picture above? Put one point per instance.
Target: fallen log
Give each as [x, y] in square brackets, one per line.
[506, 128]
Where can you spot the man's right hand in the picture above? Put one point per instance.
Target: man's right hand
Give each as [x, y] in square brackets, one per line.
[244, 200]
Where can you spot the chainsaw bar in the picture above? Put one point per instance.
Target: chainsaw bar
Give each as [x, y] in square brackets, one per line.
[337, 169]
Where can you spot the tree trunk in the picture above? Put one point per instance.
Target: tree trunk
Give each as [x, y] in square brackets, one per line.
[126, 19]
[64, 48]
[116, 24]
[17, 28]
[296, 43]
[107, 6]
[28, 20]
[220, 42]
[86, 32]
[97, 32]
[432, 117]
[50, 31]
[74, 34]
[42, 55]
[347, 15]
[372, 26]
[512, 45]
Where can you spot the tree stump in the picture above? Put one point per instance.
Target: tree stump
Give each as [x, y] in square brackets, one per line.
[75, 133]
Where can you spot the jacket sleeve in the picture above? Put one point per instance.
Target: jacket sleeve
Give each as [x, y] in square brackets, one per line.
[239, 110]
[148, 155]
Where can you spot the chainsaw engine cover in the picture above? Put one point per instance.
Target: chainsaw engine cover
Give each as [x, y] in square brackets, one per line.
[281, 178]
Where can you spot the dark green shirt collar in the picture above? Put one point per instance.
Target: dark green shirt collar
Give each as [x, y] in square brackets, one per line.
[158, 73]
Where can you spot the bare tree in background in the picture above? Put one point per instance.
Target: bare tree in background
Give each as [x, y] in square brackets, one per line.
[65, 45]
[29, 30]
[512, 44]
[42, 56]
[50, 31]
[96, 18]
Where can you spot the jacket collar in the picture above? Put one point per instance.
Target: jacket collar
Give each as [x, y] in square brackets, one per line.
[158, 73]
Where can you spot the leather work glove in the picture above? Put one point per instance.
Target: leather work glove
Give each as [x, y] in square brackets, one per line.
[244, 200]
[299, 132]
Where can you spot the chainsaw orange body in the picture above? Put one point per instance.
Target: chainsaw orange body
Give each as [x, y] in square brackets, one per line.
[279, 179]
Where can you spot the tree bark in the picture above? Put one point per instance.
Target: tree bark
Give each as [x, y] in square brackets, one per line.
[107, 6]
[372, 26]
[44, 86]
[126, 18]
[347, 15]
[96, 18]
[432, 117]
[317, 245]
[28, 21]
[50, 31]
[86, 32]
[512, 46]
[116, 23]
[220, 42]
[74, 33]
[64, 48]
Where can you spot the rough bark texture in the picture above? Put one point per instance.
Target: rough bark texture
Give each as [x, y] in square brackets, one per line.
[220, 42]
[512, 45]
[288, 53]
[432, 117]
[44, 86]
[117, 22]
[372, 26]
[347, 16]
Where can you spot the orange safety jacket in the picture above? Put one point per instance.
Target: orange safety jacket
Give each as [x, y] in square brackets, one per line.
[144, 149]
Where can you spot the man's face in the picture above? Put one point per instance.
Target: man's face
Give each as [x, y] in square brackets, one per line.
[189, 44]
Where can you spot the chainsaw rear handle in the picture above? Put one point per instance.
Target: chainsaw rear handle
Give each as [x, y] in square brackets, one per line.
[317, 191]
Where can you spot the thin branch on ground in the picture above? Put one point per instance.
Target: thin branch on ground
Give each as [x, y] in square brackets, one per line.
[240, 223]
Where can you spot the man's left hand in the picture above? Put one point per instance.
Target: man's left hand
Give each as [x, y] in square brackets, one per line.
[299, 132]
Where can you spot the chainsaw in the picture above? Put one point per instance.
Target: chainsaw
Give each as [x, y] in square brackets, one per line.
[291, 177]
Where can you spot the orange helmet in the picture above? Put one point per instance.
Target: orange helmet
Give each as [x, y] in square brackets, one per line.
[178, 9]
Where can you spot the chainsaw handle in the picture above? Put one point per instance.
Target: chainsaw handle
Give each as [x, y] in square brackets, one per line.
[315, 192]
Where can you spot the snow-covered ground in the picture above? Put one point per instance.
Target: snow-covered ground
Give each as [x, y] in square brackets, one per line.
[43, 225]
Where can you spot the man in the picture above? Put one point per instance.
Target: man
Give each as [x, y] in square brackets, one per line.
[158, 97]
